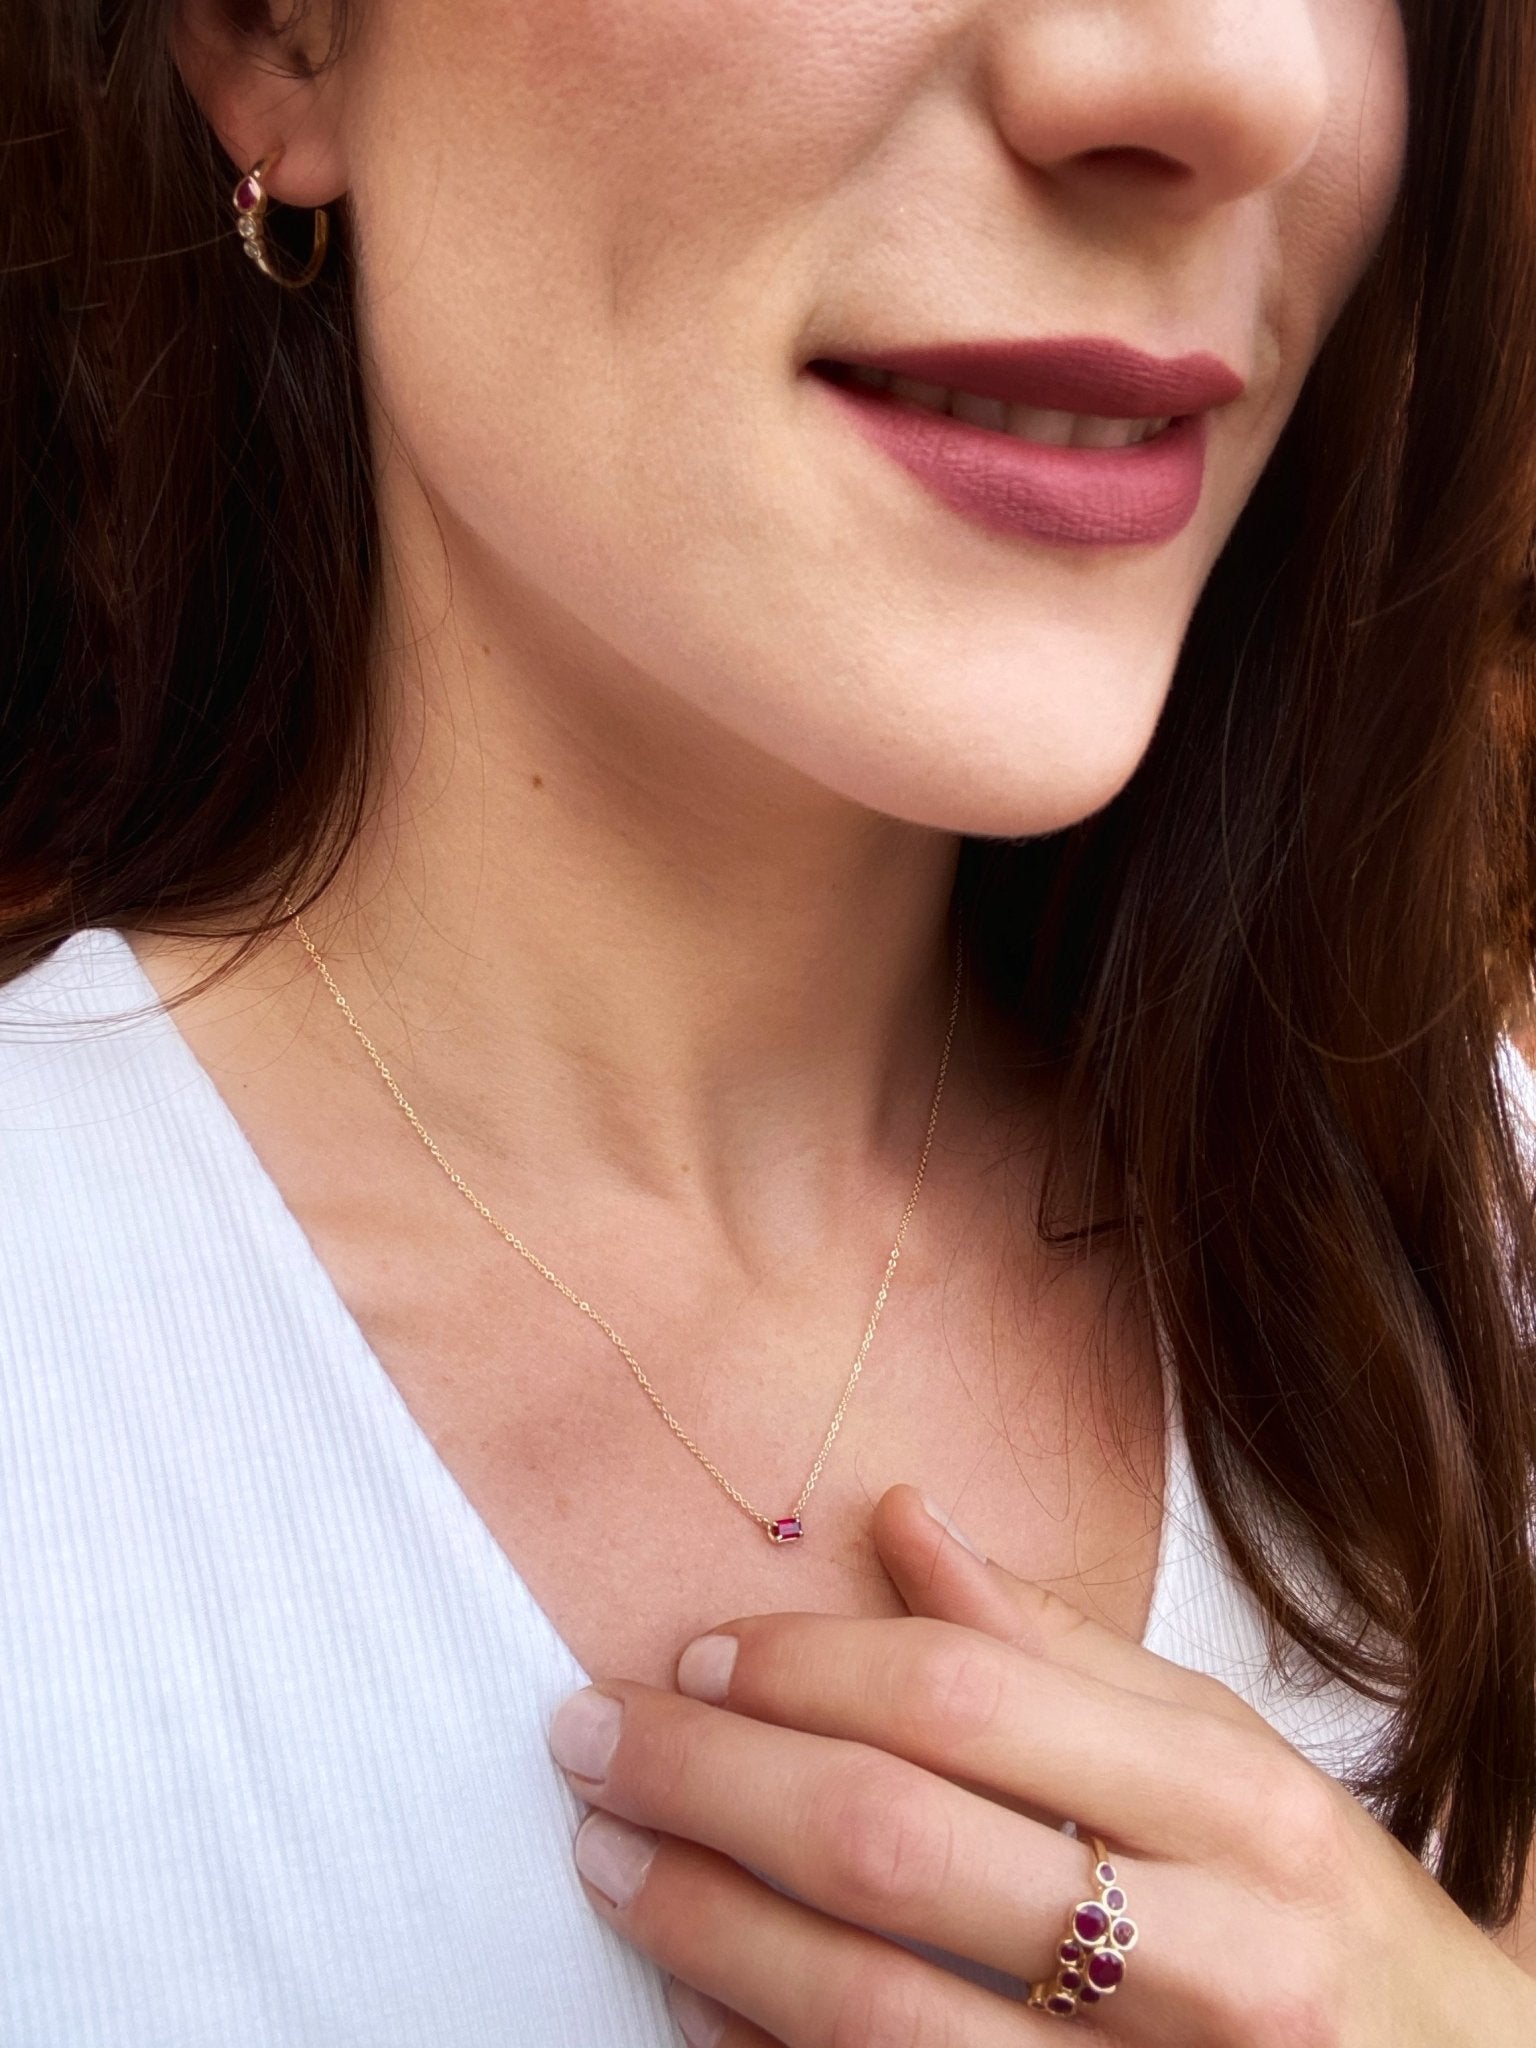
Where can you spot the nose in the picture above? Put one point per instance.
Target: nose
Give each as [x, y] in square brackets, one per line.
[1194, 102]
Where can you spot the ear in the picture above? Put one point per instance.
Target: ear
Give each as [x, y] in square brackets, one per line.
[266, 82]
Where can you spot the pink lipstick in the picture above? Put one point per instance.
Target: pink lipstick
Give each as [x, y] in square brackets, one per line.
[1137, 494]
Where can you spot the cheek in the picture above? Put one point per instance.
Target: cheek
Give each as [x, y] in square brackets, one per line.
[563, 204]
[1334, 217]
[654, 113]
[591, 232]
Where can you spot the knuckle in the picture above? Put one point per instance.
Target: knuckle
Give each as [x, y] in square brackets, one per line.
[954, 1687]
[1301, 1827]
[1276, 1819]
[884, 1840]
[1289, 2013]
[658, 1752]
[1046, 1621]
[1211, 1696]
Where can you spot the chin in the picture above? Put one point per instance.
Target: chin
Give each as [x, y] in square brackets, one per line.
[1001, 779]
[988, 796]
[983, 794]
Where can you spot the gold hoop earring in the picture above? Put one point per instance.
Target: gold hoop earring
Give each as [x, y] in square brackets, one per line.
[249, 200]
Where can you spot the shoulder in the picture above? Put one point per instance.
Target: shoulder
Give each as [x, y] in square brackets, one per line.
[77, 1033]
[56, 1013]
[91, 1093]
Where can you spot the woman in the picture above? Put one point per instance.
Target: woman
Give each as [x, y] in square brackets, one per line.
[878, 652]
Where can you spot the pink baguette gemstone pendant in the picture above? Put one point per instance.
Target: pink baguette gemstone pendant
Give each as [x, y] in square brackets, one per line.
[786, 1529]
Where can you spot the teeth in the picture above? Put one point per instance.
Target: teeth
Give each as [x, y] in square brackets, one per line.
[934, 396]
[1025, 422]
[980, 412]
[1090, 432]
[1051, 429]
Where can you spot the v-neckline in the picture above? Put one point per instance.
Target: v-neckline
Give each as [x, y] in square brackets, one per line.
[376, 1384]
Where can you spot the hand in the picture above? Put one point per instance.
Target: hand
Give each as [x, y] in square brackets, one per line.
[906, 1775]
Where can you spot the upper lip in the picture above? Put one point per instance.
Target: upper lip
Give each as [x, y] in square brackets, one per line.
[1078, 374]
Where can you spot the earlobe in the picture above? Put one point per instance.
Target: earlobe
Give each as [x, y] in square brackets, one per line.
[270, 92]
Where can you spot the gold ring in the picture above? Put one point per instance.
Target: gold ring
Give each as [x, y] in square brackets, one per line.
[1090, 1957]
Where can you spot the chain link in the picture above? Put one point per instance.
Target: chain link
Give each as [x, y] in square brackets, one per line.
[767, 1522]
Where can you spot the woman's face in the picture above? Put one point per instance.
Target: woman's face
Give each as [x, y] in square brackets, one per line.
[602, 240]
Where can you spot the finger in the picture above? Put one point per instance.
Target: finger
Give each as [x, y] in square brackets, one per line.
[1152, 1776]
[873, 1839]
[706, 2023]
[866, 1837]
[938, 1576]
[805, 1980]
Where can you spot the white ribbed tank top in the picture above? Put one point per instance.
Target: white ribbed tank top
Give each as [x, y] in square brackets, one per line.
[273, 1769]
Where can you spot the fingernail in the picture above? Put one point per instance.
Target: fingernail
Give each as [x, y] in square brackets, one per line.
[585, 1732]
[702, 2019]
[704, 1668]
[613, 1856]
[948, 1526]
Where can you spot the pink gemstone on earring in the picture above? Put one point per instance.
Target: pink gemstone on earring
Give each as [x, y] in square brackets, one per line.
[786, 1529]
[247, 195]
[1105, 1970]
[1090, 1923]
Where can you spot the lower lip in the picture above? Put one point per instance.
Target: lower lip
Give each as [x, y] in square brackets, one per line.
[1075, 497]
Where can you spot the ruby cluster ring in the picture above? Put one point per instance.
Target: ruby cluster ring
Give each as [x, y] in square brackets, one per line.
[1090, 1958]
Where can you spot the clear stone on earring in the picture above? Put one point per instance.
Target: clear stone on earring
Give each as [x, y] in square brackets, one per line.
[247, 227]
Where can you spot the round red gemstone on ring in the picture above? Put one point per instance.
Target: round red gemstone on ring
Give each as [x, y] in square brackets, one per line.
[1115, 1900]
[1123, 1934]
[1104, 1874]
[1059, 2002]
[247, 195]
[1071, 1980]
[1090, 1922]
[1088, 1996]
[1105, 1970]
[1069, 1952]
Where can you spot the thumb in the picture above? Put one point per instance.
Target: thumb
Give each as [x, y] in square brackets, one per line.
[938, 1571]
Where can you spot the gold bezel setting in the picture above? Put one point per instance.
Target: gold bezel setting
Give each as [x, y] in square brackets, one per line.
[249, 200]
[1090, 1957]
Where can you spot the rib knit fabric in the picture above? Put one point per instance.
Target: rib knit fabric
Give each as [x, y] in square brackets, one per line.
[273, 1701]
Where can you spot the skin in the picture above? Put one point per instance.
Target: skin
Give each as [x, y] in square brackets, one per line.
[876, 1769]
[688, 699]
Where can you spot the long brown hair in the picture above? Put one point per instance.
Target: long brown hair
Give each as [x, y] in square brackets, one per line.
[1275, 970]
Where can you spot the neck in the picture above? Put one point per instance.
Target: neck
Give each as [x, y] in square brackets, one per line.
[612, 924]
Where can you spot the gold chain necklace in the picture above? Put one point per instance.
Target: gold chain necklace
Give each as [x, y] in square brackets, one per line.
[780, 1528]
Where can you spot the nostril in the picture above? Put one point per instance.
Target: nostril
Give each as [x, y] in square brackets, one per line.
[1149, 165]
